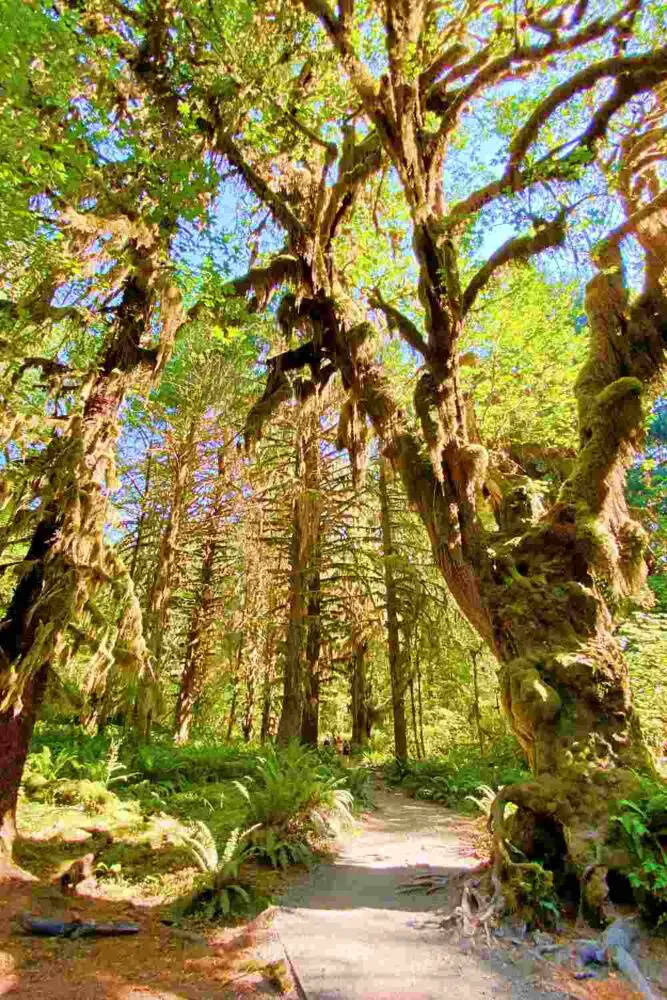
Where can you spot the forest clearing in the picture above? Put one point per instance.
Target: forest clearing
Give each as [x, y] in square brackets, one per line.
[333, 497]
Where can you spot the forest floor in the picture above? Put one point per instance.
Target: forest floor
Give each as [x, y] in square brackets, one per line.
[342, 931]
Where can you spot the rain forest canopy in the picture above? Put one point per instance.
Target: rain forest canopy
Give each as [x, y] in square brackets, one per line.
[333, 341]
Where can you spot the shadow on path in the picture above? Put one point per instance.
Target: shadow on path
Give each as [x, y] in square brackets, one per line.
[351, 935]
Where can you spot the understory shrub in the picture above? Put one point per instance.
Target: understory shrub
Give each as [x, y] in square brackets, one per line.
[455, 779]
[642, 828]
[223, 809]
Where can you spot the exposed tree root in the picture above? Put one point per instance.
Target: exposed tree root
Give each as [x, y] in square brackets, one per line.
[475, 910]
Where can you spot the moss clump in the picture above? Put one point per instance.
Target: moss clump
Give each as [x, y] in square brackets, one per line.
[92, 795]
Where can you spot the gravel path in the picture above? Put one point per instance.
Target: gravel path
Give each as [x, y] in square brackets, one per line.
[350, 935]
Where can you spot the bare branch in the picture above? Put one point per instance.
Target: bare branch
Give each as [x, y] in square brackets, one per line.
[635, 75]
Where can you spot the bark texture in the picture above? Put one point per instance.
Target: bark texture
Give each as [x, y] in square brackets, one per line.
[362, 713]
[398, 685]
[302, 646]
[194, 668]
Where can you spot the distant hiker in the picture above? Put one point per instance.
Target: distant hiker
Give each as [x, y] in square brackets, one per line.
[339, 744]
[346, 748]
[327, 742]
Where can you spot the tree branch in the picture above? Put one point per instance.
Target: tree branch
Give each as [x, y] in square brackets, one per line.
[278, 206]
[636, 74]
[397, 321]
[552, 234]
[337, 29]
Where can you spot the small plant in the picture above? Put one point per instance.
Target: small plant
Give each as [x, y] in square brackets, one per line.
[643, 828]
[43, 772]
[110, 873]
[271, 849]
[360, 783]
[92, 795]
[485, 800]
[108, 771]
[530, 893]
[200, 843]
[222, 892]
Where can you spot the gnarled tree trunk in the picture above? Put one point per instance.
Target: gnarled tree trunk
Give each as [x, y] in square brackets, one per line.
[68, 552]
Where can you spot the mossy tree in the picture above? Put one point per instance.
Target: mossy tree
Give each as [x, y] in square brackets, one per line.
[329, 116]
[543, 588]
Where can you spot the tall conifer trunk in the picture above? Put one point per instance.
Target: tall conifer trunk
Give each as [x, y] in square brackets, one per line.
[393, 628]
[195, 653]
[161, 593]
[360, 690]
[311, 709]
[303, 641]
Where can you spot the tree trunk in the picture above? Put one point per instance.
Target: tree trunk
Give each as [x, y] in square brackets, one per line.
[311, 709]
[194, 667]
[143, 516]
[232, 710]
[248, 709]
[304, 583]
[16, 637]
[310, 723]
[393, 628]
[421, 707]
[475, 654]
[360, 691]
[415, 731]
[266, 711]
[70, 558]
[160, 595]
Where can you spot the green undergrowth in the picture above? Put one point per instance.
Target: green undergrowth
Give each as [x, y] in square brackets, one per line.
[641, 824]
[203, 823]
[455, 779]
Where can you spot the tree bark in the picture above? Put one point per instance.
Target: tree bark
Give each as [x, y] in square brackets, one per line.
[393, 627]
[194, 667]
[310, 722]
[70, 556]
[232, 710]
[420, 703]
[474, 655]
[266, 710]
[311, 709]
[360, 691]
[413, 708]
[248, 708]
[304, 582]
[160, 595]
[16, 728]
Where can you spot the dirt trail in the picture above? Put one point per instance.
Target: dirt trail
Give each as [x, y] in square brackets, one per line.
[349, 934]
